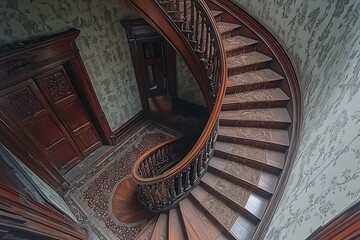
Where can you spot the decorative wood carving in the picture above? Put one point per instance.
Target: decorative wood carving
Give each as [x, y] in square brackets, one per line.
[19, 65]
[58, 86]
[24, 103]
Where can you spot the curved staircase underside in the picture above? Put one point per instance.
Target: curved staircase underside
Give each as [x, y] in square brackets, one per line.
[250, 152]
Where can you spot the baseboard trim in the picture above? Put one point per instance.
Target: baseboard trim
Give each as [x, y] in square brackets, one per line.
[117, 134]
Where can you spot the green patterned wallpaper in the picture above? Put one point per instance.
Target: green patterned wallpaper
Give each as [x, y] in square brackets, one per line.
[323, 39]
[102, 42]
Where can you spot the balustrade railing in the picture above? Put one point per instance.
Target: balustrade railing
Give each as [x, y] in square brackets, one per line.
[168, 172]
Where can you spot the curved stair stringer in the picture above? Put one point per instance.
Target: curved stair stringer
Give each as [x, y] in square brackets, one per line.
[257, 138]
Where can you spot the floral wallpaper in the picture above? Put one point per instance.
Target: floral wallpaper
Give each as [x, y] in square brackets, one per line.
[102, 43]
[187, 87]
[323, 39]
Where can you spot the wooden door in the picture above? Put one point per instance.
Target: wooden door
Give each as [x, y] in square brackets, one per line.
[58, 90]
[153, 65]
[27, 107]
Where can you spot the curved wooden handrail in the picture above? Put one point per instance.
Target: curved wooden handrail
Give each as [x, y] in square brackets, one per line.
[211, 59]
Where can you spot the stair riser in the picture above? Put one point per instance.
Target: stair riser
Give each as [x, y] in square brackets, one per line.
[250, 105]
[241, 182]
[254, 143]
[230, 33]
[251, 67]
[253, 123]
[241, 209]
[251, 87]
[249, 162]
[241, 50]
[217, 18]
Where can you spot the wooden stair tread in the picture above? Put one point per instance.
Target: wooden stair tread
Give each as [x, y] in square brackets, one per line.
[161, 227]
[250, 176]
[226, 216]
[246, 59]
[272, 138]
[273, 97]
[263, 117]
[219, 210]
[146, 232]
[225, 27]
[272, 161]
[215, 13]
[176, 231]
[247, 202]
[263, 78]
[233, 43]
[197, 225]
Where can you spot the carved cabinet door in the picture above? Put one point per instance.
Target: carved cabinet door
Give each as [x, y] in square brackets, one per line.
[58, 90]
[27, 107]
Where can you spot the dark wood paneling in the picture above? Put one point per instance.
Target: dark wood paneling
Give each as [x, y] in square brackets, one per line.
[61, 95]
[23, 61]
[25, 105]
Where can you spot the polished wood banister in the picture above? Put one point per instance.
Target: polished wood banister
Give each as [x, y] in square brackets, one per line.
[198, 28]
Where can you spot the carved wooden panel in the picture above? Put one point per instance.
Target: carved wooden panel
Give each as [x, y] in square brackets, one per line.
[57, 88]
[24, 103]
[26, 106]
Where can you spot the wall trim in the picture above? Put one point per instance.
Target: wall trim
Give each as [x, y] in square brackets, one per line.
[119, 132]
[346, 225]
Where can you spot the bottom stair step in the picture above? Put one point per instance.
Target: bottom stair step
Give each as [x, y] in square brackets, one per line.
[238, 226]
[148, 230]
[176, 228]
[197, 225]
[161, 227]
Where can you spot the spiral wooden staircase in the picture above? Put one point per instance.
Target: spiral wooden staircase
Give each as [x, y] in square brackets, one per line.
[226, 183]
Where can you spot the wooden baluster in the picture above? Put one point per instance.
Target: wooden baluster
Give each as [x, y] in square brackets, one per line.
[211, 52]
[197, 36]
[185, 15]
[187, 178]
[192, 20]
[194, 175]
[172, 189]
[206, 56]
[202, 35]
[179, 186]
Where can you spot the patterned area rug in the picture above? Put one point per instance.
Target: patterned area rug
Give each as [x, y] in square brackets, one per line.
[90, 196]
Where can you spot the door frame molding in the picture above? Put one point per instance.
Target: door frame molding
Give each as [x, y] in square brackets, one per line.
[138, 30]
[24, 60]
